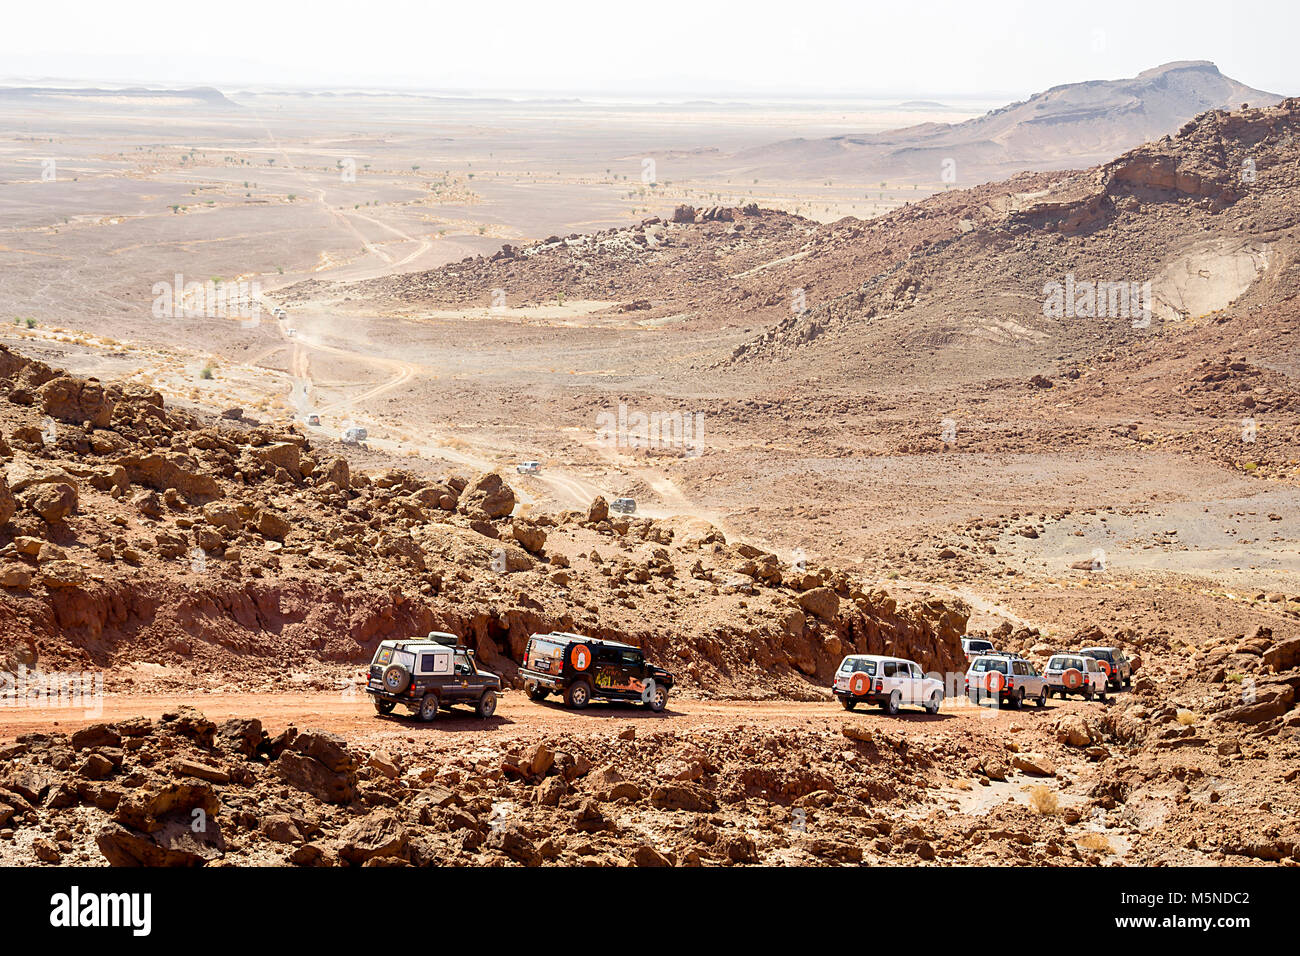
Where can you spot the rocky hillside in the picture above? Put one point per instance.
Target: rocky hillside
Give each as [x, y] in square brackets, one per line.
[1073, 125]
[135, 534]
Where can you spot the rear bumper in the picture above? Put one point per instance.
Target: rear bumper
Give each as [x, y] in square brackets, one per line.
[860, 698]
[544, 680]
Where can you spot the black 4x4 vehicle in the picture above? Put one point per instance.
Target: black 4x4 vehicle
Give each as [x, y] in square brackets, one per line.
[581, 668]
[1118, 667]
[427, 673]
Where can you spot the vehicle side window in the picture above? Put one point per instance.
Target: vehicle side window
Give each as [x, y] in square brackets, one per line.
[427, 663]
[632, 659]
[463, 666]
[915, 670]
[606, 655]
[889, 668]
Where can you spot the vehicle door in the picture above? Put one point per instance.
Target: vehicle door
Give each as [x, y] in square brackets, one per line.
[466, 680]
[890, 680]
[610, 677]
[1092, 672]
[1033, 680]
[431, 670]
[916, 684]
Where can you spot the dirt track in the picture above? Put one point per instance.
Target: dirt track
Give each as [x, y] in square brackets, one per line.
[354, 716]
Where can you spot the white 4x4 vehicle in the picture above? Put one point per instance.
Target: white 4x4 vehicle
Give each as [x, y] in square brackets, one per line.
[1005, 679]
[528, 467]
[1076, 674]
[890, 682]
[973, 647]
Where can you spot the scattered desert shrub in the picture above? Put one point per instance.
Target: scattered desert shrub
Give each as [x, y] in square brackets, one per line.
[1095, 841]
[1043, 799]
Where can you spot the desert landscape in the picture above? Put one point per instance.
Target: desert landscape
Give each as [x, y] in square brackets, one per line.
[879, 375]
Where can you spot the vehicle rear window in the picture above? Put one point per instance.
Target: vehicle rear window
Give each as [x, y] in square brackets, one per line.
[383, 655]
[852, 666]
[988, 664]
[979, 645]
[543, 648]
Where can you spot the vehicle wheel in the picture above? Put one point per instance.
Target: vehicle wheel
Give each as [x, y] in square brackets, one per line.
[397, 679]
[1128, 681]
[536, 692]
[659, 699]
[1087, 692]
[1101, 695]
[932, 705]
[383, 707]
[577, 695]
[1017, 700]
[893, 703]
[1042, 698]
[848, 703]
[428, 707]
[487, 704]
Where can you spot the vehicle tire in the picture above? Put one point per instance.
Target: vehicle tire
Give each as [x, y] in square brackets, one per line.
[1087, 691]
[396, 679]
[487, 704]
[848, 703]
[932, 705]
[1017, 700]
[1101, 695]
[891, 705]
[659, 699]
[1042, 698]
[428, 707]
[383, 707]
[577, 695]
[536, 692]
[1128, 681]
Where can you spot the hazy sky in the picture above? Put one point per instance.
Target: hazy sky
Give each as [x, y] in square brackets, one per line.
[652, 46]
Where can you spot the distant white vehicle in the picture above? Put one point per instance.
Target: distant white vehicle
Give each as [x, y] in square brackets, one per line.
[279, 313]
[354, 434]
[290, 331]
[313, 419]
[528, 467]
[624, 506]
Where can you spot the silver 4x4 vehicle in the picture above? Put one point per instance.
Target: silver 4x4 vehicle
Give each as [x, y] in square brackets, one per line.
[1075, 674]
[1117, 666]
[1005, 678]
[429, 673]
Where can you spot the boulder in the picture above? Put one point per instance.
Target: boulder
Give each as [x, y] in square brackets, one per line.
[822, 602]
[378, 834]
[76, 401]
[487, 496]
[53, 501]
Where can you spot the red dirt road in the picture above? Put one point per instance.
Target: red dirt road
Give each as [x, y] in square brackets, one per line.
[516, 716]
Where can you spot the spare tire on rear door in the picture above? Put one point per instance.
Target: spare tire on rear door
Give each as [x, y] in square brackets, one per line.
[396, 678]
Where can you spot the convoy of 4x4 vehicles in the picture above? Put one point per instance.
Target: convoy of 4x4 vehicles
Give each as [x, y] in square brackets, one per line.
[437, 672]
[993, 677]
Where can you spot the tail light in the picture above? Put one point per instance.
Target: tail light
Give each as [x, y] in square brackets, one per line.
[880, 685]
